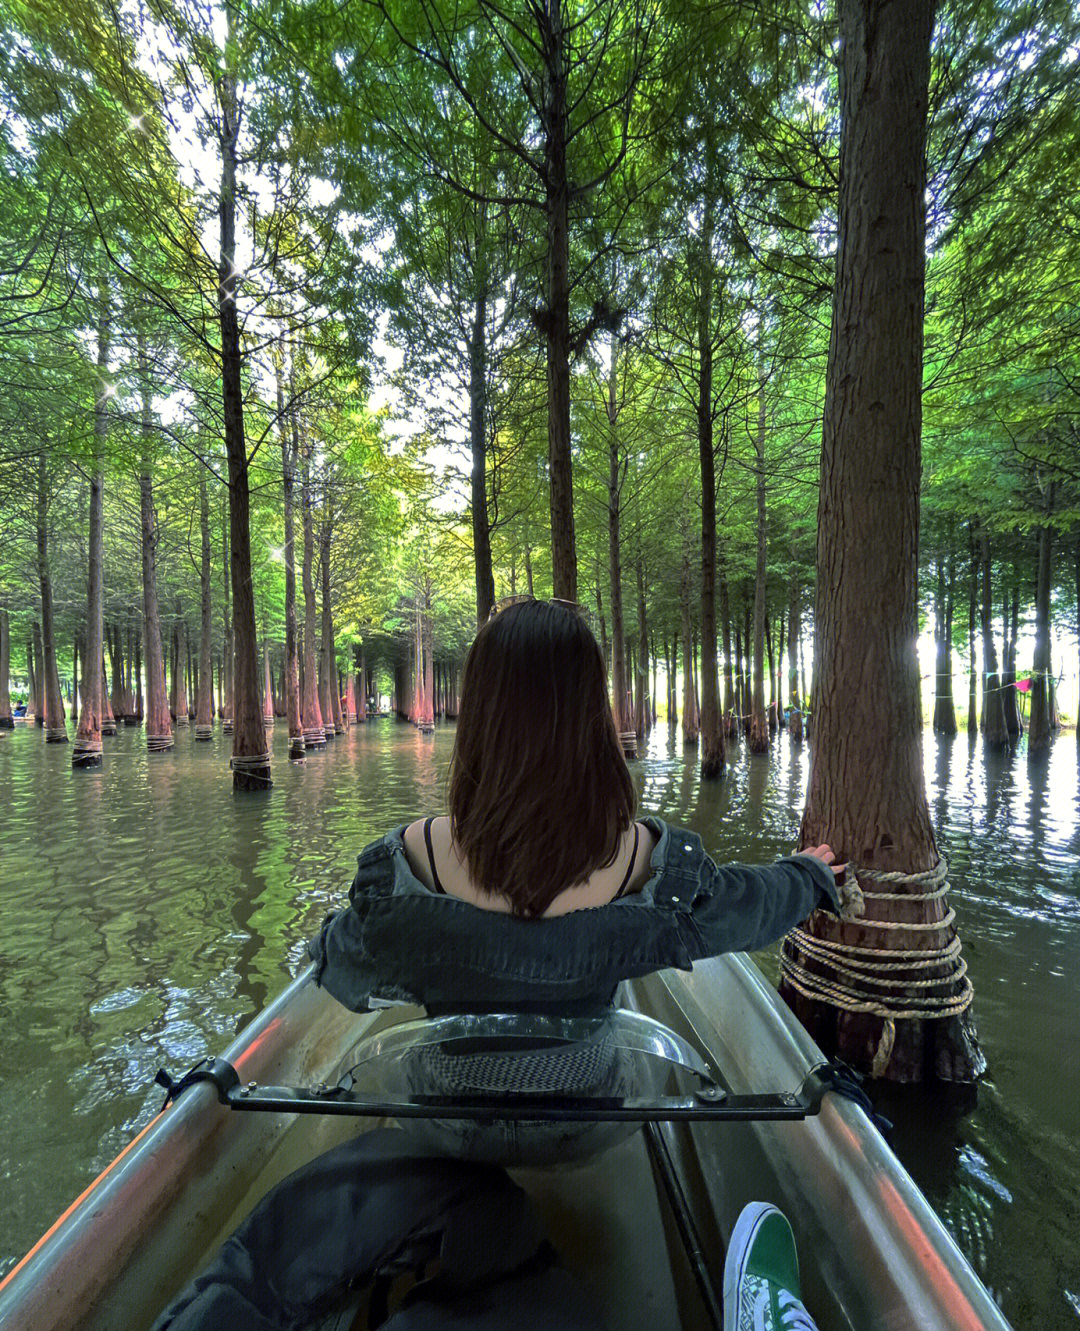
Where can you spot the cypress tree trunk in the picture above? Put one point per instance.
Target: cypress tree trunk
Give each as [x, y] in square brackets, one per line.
[730, 727]
[712, 728]
[993, 711]
[689, 705]
[204, 706]
[86, 751]
[557, 314]
[55, 716]
[481, 522]
[328, 667]
[7, 720]
[116, 696]
[250, 758]
[310, 711]
[140, 702]
[362, 690]
[643, 713]
[973, 597]
[758, 735]
[35, 705]
[1008, 669]
[866, 795]
[620, 681]
[268, 689]
[108, 720]
[795, 719]
[290, 449]
[944, 711]
[159, 731]
[180, 702]
[1040, 730]
[605, 645]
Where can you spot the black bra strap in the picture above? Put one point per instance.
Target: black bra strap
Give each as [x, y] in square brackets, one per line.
[630, 867]
[431, 856]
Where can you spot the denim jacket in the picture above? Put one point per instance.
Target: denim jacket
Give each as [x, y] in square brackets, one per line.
[398, 941]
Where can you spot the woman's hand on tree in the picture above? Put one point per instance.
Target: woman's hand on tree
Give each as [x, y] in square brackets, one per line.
[825, 855]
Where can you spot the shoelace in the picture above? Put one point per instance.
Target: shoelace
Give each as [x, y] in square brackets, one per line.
[793, 1316]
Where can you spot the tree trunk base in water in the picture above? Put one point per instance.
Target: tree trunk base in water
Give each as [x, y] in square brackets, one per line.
[297, 748]
[108, 727]
[758, 736]
[795, 726]
[131, 720]
[56, 735]
[226, 727]
[159, 743]
[921, 1050]
[628, 740]
[314, 739]
[204, 732]
[82, 756]
[7, 723]
[182, 720]
[252, 778]
[329, 732]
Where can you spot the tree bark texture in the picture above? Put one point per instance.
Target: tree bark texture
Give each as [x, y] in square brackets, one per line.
[944, 710]
[1040, 729]
[995, 733]
[204, 699]
[481, 521]
[795, 719]
[758, 736]
[712, 729]
[250, 757]
[180, 701]
[86, 751]
[557, 314]
[55, 716]
[866, 794]
[642, 706]
[973, 601]
[310, 711]
[290, 449]
[620, 675]
[689, 704]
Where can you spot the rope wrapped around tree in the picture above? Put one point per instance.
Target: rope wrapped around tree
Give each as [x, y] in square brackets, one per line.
[859, 971]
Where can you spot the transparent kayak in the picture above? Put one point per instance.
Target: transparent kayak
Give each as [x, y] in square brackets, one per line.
[714, 1103]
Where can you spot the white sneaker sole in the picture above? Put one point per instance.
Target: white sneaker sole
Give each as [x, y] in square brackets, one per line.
[740, 1243]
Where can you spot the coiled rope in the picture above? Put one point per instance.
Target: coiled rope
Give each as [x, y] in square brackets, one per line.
[854, 967]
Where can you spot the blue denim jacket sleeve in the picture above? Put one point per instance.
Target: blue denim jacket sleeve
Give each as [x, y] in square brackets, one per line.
[399, 942]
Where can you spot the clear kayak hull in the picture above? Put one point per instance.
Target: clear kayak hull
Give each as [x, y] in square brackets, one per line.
[873, 1254]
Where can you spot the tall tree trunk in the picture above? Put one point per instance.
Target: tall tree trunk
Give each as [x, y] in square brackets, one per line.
[7, 720]
[268, 689]
[973, 600]
[730, 725]
[605, 645]
[1040, 729]
[180, 700]
[140, 702]
[35, 705]
[55, 716]
[993, 712]
[944, 711]
[159, 731]
[204, 704]
[866, 795]
[689, 705]
[227, 630]
[290, 450]
[86, 751]
[108, 720]
[481, 520]
[642, 716]
[310, 711]
[620, 681]
[1008, 668]
[333, 718]
[795, 719]
[712, 730]
[38, 676]
[557, 314]
[361, 689]
[758, 738]
[250, 756]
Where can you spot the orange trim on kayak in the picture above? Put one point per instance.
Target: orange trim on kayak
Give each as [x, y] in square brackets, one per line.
[78, 1202]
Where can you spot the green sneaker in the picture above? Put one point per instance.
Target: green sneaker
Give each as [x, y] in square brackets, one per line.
[761, 1274]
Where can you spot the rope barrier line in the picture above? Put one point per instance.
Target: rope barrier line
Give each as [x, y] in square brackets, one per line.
[845, 988]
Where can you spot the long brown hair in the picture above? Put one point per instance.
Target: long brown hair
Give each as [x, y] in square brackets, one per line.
[540, 795]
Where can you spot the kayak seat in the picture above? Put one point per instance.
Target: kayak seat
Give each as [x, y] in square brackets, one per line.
[553, 1061]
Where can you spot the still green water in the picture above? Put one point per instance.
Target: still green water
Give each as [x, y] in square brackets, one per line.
[149, 912]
